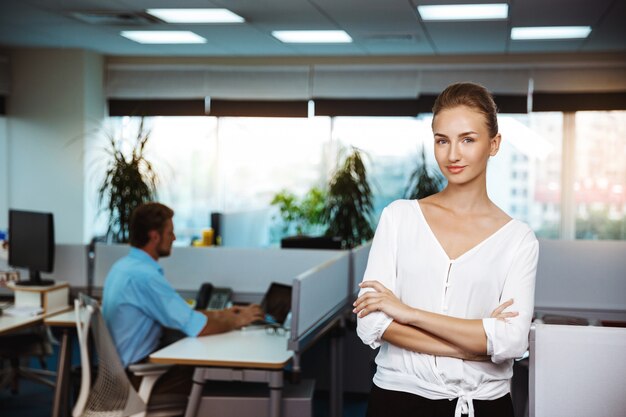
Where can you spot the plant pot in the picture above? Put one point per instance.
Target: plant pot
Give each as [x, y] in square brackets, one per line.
[311, 242]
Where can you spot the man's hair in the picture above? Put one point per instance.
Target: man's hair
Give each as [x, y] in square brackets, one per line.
[147, 217]
[471, 95]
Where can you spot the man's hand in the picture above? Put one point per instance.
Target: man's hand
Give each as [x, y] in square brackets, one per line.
[242, 316]
[220, 321]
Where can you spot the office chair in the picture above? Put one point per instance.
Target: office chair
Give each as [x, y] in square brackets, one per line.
[112, 393]
[16, 347]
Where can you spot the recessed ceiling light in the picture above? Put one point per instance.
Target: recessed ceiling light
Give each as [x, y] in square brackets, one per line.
[162, 36]
[312, 36]
[496, 11]
[550, 32]
[196, 15]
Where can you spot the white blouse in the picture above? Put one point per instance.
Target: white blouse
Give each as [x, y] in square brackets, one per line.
[407, 258]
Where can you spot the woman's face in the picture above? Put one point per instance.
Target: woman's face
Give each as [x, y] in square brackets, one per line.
[462, 144]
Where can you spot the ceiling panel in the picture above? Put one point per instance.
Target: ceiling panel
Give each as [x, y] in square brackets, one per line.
[469, 37]
[610, 34]
[558, 12]
[378, 27]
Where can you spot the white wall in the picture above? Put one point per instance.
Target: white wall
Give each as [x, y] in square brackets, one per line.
[56, 97]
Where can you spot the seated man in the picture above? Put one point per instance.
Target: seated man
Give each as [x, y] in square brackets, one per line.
[138, 301]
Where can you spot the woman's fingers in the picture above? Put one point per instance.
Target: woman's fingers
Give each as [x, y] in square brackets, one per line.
[373, 284]
[502, 307]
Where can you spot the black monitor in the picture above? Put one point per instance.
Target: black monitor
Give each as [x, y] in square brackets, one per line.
[31, 244]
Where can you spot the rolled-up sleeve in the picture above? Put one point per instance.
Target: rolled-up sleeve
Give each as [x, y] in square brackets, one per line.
[509, 339]
[381, 267]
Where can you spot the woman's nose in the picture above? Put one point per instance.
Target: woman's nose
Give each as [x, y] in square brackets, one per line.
[453, 153]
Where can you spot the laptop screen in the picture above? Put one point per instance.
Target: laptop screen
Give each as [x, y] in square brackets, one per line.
[277, 302]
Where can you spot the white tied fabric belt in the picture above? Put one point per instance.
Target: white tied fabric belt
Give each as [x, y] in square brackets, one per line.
[464, 405]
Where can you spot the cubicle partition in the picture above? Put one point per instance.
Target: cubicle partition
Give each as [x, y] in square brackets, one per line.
[358, 264]
[577, 371]
[581, 275]
[318, 296]
[70, 265]
[247, 270]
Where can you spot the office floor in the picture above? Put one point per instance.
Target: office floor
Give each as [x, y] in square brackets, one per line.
[35, 400]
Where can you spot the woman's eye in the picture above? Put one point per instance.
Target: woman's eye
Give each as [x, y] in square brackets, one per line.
[441, 141]
[468, 140]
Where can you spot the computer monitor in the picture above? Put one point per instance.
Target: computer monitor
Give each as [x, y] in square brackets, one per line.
[31, 244]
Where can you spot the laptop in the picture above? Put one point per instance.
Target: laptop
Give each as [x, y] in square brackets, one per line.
[276, 304]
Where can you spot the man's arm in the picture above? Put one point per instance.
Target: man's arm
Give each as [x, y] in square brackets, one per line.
[221, 321]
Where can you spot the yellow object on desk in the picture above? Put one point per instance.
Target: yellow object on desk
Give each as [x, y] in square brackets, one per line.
[207, 238]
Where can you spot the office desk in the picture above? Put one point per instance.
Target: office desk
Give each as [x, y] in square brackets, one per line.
[249, 355]
[66, 321]
[9, 324]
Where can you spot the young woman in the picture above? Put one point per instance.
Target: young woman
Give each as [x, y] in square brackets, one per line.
[441, 276]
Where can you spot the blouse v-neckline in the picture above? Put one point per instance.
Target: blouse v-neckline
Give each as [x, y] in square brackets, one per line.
[467, 252]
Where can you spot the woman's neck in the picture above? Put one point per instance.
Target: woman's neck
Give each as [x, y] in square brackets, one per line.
[465, 197]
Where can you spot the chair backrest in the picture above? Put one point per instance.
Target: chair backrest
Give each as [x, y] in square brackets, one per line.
[112, 394]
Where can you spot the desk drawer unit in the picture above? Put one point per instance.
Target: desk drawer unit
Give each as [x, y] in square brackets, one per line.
[243, 399]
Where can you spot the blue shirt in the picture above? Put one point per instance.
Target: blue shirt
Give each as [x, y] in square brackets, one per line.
[138, 301]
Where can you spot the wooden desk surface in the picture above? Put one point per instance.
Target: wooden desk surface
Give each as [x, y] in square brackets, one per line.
[247, 348]
[65, 319]
[12, 323]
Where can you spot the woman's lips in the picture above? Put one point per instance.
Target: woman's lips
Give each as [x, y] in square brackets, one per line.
[455, 169]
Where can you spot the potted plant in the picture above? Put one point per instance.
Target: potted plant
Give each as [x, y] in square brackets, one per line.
[423, 180]
[129, 181]
[303, 216]
[349, 205]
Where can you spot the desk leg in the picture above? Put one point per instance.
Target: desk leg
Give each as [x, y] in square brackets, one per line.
[276, 393]
[336, 371]
[61, 390]
[196, 393]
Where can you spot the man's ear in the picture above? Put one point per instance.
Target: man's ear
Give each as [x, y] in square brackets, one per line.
[154, 236]
[495, 145]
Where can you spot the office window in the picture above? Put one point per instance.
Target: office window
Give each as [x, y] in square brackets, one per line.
[237, 165]
[391, 148]
[531, 144]
[600, 175]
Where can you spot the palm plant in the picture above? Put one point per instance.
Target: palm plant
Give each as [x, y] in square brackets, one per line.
[349, 204]
[128, 182]
[423, 181]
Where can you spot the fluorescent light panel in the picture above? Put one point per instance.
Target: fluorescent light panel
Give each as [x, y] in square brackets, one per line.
[496, 11]
[550, 32]
[196, 15]
[162, 36]
[312, 36]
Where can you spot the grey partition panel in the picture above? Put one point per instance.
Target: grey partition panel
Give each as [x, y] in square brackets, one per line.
[577, 371]
[105, 257]
[70, 265]
[243, 269]
[581, 274]
[360, 256]
[318, 292]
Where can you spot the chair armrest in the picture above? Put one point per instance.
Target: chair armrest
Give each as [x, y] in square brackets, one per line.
[144, 369]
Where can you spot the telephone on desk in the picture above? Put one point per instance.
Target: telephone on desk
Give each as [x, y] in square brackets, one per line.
[213, 298]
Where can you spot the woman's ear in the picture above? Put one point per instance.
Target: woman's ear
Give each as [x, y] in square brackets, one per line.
[495, 145]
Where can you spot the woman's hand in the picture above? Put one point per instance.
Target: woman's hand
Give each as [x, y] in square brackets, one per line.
[500, 314]
[382, 299]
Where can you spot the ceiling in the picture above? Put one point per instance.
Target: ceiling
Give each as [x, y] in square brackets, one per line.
[378, 27]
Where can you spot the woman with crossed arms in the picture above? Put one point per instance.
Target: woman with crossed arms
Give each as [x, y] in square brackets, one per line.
[448, 293]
